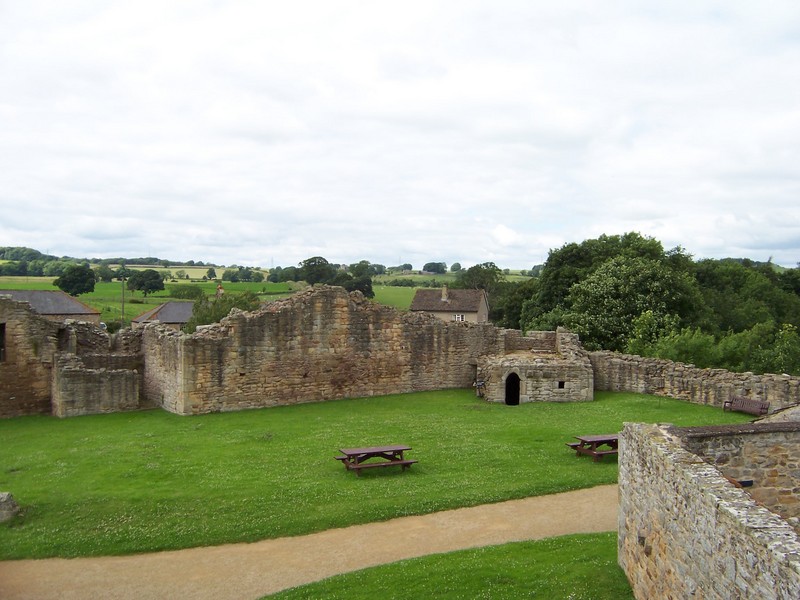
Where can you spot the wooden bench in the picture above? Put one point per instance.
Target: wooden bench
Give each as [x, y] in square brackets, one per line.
[751, 406]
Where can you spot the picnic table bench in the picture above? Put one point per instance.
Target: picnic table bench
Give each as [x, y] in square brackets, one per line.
[596, 446]
[355, 459]
[743, 404]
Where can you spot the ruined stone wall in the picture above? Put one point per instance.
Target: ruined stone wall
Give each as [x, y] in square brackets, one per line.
[78, 390]
[628, 373]
[317, 345]
[165, 368]
[766, 454]
[685, 531]
[30, 345]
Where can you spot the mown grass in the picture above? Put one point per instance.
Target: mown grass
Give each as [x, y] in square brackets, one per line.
[575, 567]
[145, 481]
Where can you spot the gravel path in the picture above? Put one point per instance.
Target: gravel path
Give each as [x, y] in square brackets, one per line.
[249, 571]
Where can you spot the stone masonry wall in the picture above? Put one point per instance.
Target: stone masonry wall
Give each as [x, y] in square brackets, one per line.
[623, 372]
[687, 532]
[30, 344]
[768, 454]
[78, 390]
[317, 345]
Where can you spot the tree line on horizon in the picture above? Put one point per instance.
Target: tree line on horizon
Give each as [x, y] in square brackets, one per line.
[623, 293]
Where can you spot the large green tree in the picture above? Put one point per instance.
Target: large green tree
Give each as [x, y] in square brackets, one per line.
[604, 307]
[317, 270]
[76, 280]
[485, 276]
[146, 281]
[435, 267]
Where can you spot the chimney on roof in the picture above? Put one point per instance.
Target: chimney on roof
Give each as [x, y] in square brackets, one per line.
[445, 296]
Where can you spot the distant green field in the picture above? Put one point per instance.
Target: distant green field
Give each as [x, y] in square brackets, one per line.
[399, 297]
[107, 297]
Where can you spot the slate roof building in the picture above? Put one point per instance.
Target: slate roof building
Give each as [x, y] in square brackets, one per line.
[55, 305]
[172, 314]
[471, 306]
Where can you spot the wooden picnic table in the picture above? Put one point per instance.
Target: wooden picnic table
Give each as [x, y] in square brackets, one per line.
[355, 459]
[596, 446]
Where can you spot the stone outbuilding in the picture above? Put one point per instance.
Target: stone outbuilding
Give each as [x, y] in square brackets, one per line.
[554, 368]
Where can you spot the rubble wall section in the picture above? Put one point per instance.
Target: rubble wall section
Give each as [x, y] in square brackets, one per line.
[78, 390]
[616, 372]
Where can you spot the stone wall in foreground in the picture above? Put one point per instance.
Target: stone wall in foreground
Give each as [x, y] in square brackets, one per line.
[685, 531]
[616, 372]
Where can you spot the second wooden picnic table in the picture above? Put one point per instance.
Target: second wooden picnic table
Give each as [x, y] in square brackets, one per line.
[596, 446]
[355, 459]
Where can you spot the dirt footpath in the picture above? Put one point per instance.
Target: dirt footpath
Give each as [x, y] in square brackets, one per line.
[249, 571]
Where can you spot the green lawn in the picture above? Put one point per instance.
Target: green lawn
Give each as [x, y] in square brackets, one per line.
[151, 480]
[575, 567]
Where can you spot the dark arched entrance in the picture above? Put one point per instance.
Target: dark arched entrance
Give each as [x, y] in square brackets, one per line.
[512, 389]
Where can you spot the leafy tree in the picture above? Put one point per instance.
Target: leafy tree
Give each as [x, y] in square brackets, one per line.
[790, 280]
[361, 269]
[362, 284]
[738, 296]
[605, 306]
[508, 301]
[181, 274]
[257, 277]
[435, 267]
[572, 263]
[123, 273]
[76, 280]
[147, 281]
[317, 270]
[485, 276]
[105, 273]
[231, 275]
[207, 311]
[211, 273]
[455, 267]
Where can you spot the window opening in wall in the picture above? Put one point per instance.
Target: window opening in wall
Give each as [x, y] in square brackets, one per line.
[561, 384]
[2, 342]
[459, 318]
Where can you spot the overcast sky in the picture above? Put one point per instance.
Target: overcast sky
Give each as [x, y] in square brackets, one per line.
[261, 133]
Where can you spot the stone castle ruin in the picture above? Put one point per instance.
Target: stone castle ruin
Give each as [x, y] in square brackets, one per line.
[317, 345]
[685, 527]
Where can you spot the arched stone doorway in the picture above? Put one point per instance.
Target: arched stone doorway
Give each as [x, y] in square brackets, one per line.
[512, 389]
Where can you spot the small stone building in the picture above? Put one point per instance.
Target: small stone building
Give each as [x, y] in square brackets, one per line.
[466, 306]
[552, 368]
